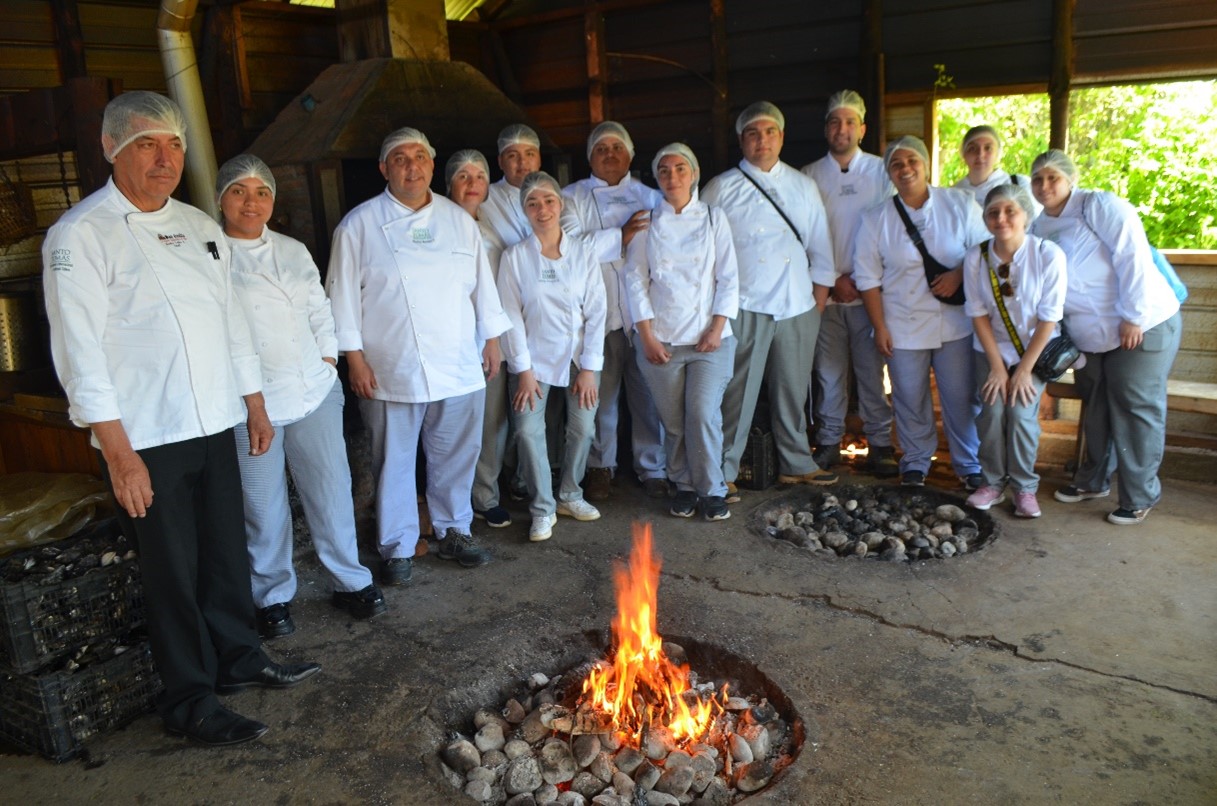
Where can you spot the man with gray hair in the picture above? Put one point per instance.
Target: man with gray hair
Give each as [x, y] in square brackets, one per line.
[412, 292]
[611, 207]
[785, 273]
[155, 355]
[850, 182]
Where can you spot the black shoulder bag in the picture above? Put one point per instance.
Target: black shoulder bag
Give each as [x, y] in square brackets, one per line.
[932, 267]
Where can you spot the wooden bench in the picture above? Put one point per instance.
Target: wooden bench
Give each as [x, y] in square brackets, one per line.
[1184, 396]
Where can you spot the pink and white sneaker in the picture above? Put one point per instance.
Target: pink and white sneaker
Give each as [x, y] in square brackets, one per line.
[1026, 506]
[986, 497]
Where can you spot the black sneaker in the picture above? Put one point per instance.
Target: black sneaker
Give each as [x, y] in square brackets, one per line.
[973, 482]
[462, 548]
[913, 478]
[825, 456]
[881, 462]
[496, 517]
[1127, 517]
[714, 507]
[396, 570]
[362, 603]
[275, 621]
[1072, 494]
[684, 505]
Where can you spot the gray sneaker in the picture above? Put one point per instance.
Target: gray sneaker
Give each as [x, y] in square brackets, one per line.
[462, 548]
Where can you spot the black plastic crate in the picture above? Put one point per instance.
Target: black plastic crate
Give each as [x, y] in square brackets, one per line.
[758, 467]
[53, 714]
[43, 621]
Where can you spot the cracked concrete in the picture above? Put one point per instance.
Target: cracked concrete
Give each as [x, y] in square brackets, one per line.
[1070, 661]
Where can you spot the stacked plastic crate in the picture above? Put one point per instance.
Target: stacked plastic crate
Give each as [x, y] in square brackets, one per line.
[73, 659]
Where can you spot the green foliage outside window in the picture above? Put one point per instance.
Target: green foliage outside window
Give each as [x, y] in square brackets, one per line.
[1153, 144]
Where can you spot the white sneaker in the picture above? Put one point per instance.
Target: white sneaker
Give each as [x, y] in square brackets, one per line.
[542, 528]
[580, 510]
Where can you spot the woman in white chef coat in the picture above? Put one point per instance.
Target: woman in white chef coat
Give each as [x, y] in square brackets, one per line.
[553, 293]
[981, 150]
[683, 286]
[467, 175]
[289, 316]
[916, 329]
[1028, 275]
[1124, 317]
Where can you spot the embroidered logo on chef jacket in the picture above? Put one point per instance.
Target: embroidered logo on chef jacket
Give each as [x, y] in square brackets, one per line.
[548, 275]
[848, 190]
[61, 260]
[421, 235]
[176, 240]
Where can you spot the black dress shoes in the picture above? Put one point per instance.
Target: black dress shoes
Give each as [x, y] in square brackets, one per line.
[219, 728]
[276, 675]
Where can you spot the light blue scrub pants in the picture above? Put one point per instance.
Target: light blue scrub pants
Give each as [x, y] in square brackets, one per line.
[646, 434]
[914, 408]
[847, 336]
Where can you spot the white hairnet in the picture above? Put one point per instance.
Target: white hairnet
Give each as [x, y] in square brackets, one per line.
[518, 134]
[1015, 193]
[539, 181]
[402, 136]
[243, 166]
[906, 143]
[1057, 160]
[609, 128]
[846, 99]
[757, 111]
[681, 150]
[981, 131]
[466, 156]
[135, 114]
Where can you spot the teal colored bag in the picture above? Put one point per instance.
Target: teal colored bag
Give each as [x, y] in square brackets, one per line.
[1168, 271]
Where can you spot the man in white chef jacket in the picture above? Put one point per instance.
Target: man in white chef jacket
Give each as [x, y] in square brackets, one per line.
[412, 292]
[519, 155]
[155, 356]
[611, 207]
[785, 272]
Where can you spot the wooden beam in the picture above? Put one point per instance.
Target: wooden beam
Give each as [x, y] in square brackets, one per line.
[597, 66]
[1060, 80]
[222, 72]
[870, 75]
[69, 43]
[87, 99]
[720, 109]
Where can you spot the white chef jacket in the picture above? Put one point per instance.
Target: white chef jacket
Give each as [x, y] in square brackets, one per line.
[504, 214]
[998, 177]
[846, 195]
[144, 325]
[279, 288]
[885, 257]
[1112, 276]
[1037, 274]
[776, 269]
[601, 210]
[682, 272]
[413, 290]
[556, 309]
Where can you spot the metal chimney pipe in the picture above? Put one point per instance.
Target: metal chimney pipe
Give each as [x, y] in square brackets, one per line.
[182, 77]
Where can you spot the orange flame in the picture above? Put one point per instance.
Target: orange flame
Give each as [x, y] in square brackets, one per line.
[642, 688]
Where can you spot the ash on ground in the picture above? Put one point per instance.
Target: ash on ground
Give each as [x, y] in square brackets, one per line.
[878, 522]
[542, 749]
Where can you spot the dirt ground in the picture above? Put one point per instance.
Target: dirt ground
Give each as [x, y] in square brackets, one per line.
[1070, 661]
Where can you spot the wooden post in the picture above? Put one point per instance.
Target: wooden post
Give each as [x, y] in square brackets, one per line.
[225, 84]
[88, 98]
[720, 109]
[1061, 78]
[597, 67]
[69, 43]
[870, 73]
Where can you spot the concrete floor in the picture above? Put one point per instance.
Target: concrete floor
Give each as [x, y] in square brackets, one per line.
[1070, 662]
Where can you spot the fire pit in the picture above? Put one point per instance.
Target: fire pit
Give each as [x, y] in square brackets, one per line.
[648, 723]
[878, 522]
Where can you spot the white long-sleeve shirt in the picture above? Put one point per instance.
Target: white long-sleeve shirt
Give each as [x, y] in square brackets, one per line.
[413, 290]
[886, 258]
[681, 272]
[847, 195]
[144, 325]
[1112, 276]
[776, 269]
[998, 177]
[279, 288]
[556, 308]
[600, 211]
[1037, 275]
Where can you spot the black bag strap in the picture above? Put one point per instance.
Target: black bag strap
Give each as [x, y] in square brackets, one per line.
[781, 212]
[932, 267]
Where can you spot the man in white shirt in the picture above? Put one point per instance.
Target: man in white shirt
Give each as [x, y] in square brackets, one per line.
[850, 182]
[412, 292]
[519, 155]
[785, 273]
[611, 207]
[155, 356]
